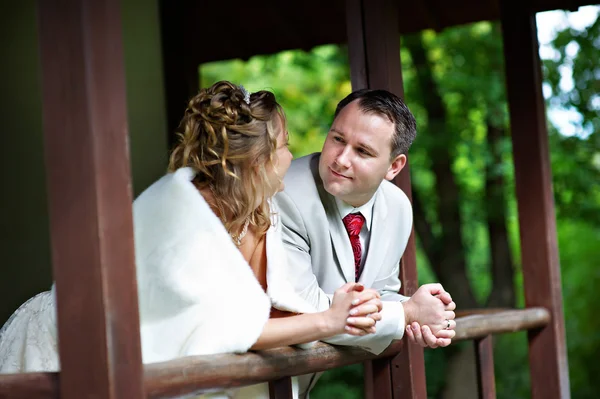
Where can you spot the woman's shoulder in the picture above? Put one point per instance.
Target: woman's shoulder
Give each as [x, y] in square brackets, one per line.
[173, 214]
[173, 199]
[179, 180]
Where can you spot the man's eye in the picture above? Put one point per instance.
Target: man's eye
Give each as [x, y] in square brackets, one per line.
[338, 139]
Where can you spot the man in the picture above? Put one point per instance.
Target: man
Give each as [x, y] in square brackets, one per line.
[343, 220]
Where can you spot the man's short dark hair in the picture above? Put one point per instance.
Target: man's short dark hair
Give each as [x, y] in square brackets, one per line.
[383, 102]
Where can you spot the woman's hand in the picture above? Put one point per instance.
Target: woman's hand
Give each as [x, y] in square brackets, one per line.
[354, 310]
[367, 306]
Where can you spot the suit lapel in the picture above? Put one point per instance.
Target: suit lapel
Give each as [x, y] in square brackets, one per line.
[378, 243]
[337, 231]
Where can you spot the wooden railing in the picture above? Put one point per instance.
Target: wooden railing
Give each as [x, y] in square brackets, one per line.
[198, 374]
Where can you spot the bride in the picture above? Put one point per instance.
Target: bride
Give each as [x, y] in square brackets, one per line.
[211, 268]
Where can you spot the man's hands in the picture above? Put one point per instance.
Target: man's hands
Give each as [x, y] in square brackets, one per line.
[430, 316]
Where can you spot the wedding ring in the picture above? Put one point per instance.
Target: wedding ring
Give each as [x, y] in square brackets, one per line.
[447, 324]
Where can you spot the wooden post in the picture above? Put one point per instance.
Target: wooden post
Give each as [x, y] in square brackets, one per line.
[484, 356]
[89, 190]
[533, 178]
[281, 388]
[374, 51]
[378, 379]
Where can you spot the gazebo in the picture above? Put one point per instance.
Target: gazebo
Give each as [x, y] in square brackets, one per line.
[89, 189]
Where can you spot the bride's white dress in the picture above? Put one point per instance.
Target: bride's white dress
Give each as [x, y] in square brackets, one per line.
[197, 294]
[28, 339]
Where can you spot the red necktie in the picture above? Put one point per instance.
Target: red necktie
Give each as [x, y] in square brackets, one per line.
[354, 223]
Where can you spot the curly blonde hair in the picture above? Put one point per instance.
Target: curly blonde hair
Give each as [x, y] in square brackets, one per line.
[231, 145]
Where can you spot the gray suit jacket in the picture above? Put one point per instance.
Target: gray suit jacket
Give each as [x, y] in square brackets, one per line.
[320, 254]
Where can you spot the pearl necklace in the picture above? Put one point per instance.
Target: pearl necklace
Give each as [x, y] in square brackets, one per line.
[237, 240]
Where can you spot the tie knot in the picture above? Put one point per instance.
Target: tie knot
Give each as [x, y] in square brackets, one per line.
[353, 223]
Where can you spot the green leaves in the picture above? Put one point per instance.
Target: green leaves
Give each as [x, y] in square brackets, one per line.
[308, 85]
[466, 66]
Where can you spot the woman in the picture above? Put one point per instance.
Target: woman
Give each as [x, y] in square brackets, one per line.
[210, 262]
[208, 244]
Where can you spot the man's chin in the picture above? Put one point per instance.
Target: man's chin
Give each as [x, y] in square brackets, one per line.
[334, 189]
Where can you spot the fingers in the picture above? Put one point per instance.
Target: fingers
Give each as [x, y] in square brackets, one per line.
[414, 330]
[445, 297]
[410, 335]
[449, 315]
[452, 325]
[359, 332]
[375, 316]
[349, 287]
[364, 310]
[367, 296]
[445, 334]
[372, 306]
[451, 306]
[428, 337]
[360, 322]
[433, 289]
[442, 338]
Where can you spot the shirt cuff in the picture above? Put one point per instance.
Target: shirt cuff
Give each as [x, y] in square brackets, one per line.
[397, 311]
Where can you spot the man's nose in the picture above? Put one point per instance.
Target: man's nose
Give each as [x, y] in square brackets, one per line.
[343, 158]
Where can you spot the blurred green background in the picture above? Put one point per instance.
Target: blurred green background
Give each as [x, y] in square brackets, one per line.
[462, 174]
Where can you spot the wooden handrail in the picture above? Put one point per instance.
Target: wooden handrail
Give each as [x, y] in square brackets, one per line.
[29, 385]
[504, 321]
[197, 374]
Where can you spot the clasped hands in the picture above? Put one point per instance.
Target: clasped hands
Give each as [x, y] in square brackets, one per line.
[429, 313]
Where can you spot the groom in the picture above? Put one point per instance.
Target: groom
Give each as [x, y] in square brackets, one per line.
[344, 221]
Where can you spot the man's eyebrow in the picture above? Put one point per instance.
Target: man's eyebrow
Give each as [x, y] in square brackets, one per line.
[368, 148]
[364, 146]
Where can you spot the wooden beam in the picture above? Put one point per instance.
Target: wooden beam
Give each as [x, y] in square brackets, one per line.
[484, 323]
[198, 374]
[374, 52]
[533, 178]
[30, 385]
[203, 373]
[89, 190]
[378, 379]
[484, 357]
[281, 388]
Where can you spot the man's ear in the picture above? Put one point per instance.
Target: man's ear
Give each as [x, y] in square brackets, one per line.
[396, 166]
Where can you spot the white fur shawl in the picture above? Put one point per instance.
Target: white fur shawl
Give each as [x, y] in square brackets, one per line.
[197, 294]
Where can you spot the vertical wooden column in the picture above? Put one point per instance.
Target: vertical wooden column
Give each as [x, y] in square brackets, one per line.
[281, 388]
[378, 379]
[533, 177]
[374, 51]
[89, 189]
[484, 357]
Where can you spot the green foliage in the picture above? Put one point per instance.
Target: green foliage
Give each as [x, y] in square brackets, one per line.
[577, 50]
[578, 242]
[469, 73]
[344, 382]
[577, 194]
[307, 85]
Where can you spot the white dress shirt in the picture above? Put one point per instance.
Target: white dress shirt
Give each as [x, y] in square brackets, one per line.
[366, 210]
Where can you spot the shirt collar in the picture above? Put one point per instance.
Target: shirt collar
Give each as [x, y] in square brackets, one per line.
[367, 210]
